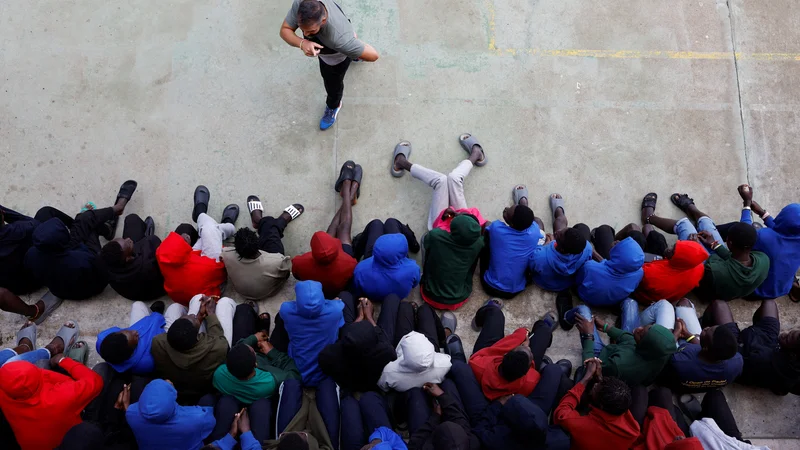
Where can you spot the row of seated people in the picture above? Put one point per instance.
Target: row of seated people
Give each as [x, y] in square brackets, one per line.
[735, 260]
[329, 375]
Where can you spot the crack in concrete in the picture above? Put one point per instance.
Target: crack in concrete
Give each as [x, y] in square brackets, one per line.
[738, 89]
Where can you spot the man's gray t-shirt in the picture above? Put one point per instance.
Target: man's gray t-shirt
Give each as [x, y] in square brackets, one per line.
[337, 35]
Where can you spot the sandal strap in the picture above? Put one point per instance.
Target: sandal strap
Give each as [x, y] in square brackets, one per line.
[255, 205]
[294, 212]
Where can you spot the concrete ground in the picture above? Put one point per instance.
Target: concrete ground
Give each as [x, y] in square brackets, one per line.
[600, 101]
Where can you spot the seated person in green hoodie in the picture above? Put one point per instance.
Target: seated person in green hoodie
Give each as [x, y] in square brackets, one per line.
[733, 270]
[188, 357]
[636, 358]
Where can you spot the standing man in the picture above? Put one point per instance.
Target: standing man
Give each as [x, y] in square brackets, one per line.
[328, 34]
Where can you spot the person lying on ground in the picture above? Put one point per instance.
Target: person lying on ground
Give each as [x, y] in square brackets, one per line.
[331, 259]
[733, 270]
[129, 349]
[257, 265]
[64, 256]
[509, 245]
[189, 259]
[131, 261]
[454, 242]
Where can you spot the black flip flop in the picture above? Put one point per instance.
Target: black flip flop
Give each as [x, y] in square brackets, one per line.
[126, 191]
[149, 226]
[201, 198]
[347, 172]
[682, 201]
[230, 214]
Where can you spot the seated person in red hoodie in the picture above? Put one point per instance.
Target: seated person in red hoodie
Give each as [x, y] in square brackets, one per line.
[609, 424]
[507, 365]
[42, 405]
[189, 260]
[331, 260]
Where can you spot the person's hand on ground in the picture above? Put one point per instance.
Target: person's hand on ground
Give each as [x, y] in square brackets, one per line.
[746, 192]
[244, 421]
[706, 238]
[124, 398]
[433, 389]
[600, 323]
[265, 347]
[310, 48]
[584, 325]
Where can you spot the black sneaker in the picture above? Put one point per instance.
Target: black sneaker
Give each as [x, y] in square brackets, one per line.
[413, 243]
[564, 304]
[158, 306]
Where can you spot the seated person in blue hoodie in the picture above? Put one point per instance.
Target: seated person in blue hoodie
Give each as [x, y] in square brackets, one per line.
[779, 240]
[387, 271]
[366, 424]
[64, 257]
[614, 278]
[240, 427]
[311, 322]
[129, 349]
[158, 422]
[553, 265]
[509, 246]
[364, 242]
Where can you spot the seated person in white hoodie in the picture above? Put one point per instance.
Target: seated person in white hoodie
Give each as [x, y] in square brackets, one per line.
[417, 363]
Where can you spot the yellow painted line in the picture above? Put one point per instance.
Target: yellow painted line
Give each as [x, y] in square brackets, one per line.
[641, 54]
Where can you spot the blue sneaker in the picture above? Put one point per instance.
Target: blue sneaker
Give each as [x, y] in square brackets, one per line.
[329, 118]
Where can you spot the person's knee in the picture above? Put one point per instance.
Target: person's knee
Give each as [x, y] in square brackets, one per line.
[584, 311]
[132, 219]
[393, 223]
[371, 398]
[227, 302]
[684, 302]
[105, 371]
[228, 402]
[665, 304]
[719, 305]
[375, 224]
[629, 303]
[291, 385]
[195, 301]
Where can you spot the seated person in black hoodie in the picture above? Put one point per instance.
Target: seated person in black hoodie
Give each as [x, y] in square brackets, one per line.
[356, 360]
[447, 427]
[64, 257]
[131, 261]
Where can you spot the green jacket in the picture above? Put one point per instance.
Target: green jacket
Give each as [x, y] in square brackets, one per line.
[450, 260]
[191, 372]
[732, 279]
[272, 369]
[634, 363]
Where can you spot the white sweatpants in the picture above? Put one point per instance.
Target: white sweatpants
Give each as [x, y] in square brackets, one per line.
[226, 307]
[448, 190]
[211, 236]
[138, 312]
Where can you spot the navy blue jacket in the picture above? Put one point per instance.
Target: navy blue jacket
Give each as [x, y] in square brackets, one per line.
[69, 273]
[15, 240]
[518, 425]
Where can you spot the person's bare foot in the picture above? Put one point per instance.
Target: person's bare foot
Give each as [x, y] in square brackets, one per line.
[524, 200]
[353, 192]
[476, 154]
[401, 163]
[256, 217]
[556, 213]
[57, 345]
[647, 212]
[40, 306]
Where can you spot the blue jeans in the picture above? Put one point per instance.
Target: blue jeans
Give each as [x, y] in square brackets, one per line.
[660, 313]
[629, 313]
[684, 228]
[31, 357]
